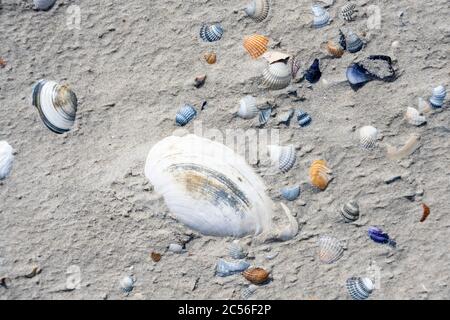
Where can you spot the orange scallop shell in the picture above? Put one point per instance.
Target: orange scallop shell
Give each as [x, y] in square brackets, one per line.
[256, 275]
[334, 49]
[426, 212]
[210, 57]
[256, 45]
[319, 174]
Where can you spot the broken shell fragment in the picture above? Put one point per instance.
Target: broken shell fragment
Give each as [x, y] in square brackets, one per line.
[256, 275]
[6, 159]
[408, 148]
[264, 115]
[313, 74]
[377, 235]
[291, 193]
[225, 268]
[275, 56]
[127, 284]
[321, 16]
[43, 5]
[425, 212]
[414, 117]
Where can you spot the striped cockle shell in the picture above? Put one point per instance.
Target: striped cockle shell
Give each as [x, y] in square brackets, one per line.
[256, 45]
[258, 10]
[236, 250]
[277, 76]
[359, 288]
[211, 33]
[414, 117]
[347, 12]
[330, 249]
[353, 42]
[319, 174]
[6, 159]
[185, 115]
[256, 275]
[57, 105]
[350, 211]
[438, 96]
[282, 156]
[290, 193]
[43, 4]
[368, 137]
[248, 108]
[212, 190]
[303, 118]
[321, 16]
[210, 57]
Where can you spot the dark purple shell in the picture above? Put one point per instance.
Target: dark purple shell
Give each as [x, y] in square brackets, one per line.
[313, 74]
[377, 235]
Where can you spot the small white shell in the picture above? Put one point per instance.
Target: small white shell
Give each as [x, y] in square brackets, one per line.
[43, 4]
[282, 156]
[277, 76]
[6, 159]
[127, 284]
[258, 10]
[414, 117]
[236, 250]
[368, 137]
[330, 249]
[321, 16]
[359, 288]
[438, 96]
[176, 248]
[248, 108]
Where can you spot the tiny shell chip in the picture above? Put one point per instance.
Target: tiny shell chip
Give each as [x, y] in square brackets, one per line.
[176, 248]
[156, 257]
[256, 275]
[264, 116]
[330, 249]
[414, 117]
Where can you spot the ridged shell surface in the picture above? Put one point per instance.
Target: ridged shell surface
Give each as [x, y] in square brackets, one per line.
[258, 10]
[256, 45]
[347, 12]
[368, 137]
[185, 115]
[277, 76]
[321, 16]
[248, 108]
[211, 33]
[414, 117]
[354, 43]
[350, 211]
[438, 96]
[359, 288]
[330, 249]
[319, 174]
[283, 156]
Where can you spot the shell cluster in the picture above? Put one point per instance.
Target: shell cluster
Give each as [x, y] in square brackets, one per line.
[6, 159]
[330, 249]
[56, 104]
[319, 174]
[258, 10]
[211, 32]
[291, 193]
[359, 288]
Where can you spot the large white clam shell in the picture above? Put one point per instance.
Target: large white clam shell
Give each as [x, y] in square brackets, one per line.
[211, 189]
[277, 76]
[368, 137]
[6, 159]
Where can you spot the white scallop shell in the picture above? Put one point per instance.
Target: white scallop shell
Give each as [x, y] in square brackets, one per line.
[330, 249]
[236, 250]
[283, 157]
[277, 76]
[258, 10]
[359, 288]
[211, 189]
[438, 96]
[321, 16]
[414, 117]
[248, 108]
[43, 4]
[6, 159]
[368, 137]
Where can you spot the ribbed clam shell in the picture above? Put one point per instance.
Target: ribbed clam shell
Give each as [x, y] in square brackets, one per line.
[127, 284]
[290, 193]
[185, 115]
[210, 57]
[319, 174]
[258, 10]
[330, 249]
[57, 105]
[368, 137]
[303, 118]
[256, 45]
[237, 251]
[6, 159]
[354, 43]
[225, 268]
[321, 16]
[248, 108]
[438, 96]
[414, 117]
[283, 156]
[359, 288]
[256, 275]
[43, 4]
[350, 211]
[248, 291]
[264, 116]
[277, 76]
[313, 74]
[347, 12]
[211, 33]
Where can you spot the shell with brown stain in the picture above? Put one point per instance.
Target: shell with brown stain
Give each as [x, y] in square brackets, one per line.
[319, 174]
[256, 45]
[210, 57]
[156, 257]
[256, 275]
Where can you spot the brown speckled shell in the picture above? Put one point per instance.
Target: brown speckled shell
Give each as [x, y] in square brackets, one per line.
[256, 275]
